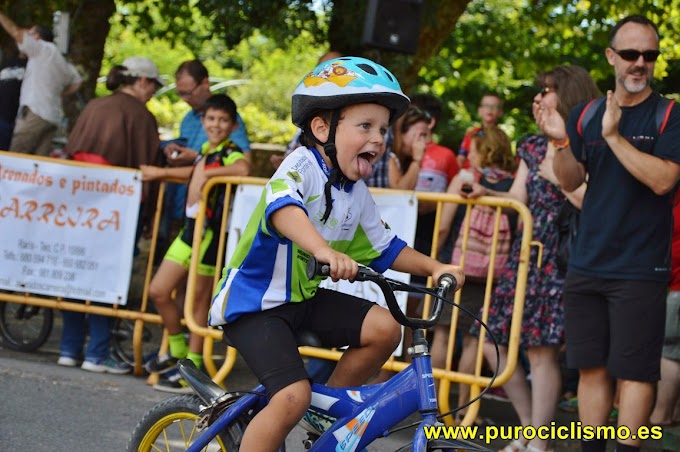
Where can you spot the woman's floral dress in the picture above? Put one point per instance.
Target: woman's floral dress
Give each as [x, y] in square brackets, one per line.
[543, 322]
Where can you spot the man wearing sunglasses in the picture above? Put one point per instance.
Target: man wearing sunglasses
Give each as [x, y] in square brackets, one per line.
[618, 273]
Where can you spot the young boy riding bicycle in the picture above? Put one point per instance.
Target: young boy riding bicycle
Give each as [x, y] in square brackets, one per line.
[316, 204]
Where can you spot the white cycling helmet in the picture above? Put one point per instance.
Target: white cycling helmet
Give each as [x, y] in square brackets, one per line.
[344, 81]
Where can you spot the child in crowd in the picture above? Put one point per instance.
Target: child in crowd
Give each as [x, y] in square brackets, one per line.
[219, 157]
[490, 111]
[316, 204]
[492, 165]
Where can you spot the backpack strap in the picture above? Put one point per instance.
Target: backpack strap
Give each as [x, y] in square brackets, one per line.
[663, 112]
[587, 114]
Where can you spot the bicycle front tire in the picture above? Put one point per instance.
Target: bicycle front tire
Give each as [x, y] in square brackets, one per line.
[171, 425]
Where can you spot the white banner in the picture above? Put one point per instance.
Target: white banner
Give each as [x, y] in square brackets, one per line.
[397, 210]
[67, 230]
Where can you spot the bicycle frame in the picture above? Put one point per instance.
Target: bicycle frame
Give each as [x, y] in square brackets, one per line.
[357, 426]
[409, 391]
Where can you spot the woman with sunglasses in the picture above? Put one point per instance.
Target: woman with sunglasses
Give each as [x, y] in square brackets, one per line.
[542, 331]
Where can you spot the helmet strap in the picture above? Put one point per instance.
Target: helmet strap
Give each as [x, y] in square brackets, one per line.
[336, 174]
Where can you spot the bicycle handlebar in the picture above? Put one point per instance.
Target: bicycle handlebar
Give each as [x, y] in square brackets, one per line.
[446, 281]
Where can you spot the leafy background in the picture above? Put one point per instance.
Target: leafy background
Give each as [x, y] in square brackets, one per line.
[466, 48]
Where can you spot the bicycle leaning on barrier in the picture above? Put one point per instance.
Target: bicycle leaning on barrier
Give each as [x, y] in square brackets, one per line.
[215, 419]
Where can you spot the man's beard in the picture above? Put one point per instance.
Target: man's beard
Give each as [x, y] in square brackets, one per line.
[635, 87]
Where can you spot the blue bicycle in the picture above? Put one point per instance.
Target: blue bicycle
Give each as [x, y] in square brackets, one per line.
[214, 419]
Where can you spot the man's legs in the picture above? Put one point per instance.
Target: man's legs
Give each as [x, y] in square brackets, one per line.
[595, 396]
[32, 134]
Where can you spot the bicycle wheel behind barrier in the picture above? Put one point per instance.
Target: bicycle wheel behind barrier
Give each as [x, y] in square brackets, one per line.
[25, 328]
[122, 343]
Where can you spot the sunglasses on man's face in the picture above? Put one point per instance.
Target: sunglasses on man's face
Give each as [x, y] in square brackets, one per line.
[632, 55]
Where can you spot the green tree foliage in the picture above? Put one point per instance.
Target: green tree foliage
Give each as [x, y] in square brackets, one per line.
[465, 48]
[500, 46]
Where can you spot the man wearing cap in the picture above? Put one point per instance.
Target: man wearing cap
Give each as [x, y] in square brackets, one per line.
[48, 77]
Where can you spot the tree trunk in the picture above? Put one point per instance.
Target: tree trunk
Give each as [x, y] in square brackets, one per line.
[89, 29]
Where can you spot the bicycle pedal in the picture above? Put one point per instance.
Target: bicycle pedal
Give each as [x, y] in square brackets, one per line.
[309, 442]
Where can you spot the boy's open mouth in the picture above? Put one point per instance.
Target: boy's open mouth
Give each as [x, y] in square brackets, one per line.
[366, 160]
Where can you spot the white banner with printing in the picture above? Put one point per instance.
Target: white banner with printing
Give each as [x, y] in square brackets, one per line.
[68, 230]
[398, 210]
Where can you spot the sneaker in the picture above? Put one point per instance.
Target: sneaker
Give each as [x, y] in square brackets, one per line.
[497, 394]
[174, 383]
[108, 365]
[161, 364]
[568, 405]
[315, 422]
[67, 361]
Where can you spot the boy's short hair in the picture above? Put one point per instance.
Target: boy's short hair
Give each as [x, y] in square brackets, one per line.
[222, 102]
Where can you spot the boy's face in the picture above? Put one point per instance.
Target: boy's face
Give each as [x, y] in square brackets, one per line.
[218, 124]
[360, 138]
[490, 110]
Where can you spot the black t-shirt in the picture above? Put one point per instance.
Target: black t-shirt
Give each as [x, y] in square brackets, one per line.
[625, 229]
[11, 75]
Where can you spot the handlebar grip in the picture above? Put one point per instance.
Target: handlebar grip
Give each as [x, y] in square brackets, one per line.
[316, 268]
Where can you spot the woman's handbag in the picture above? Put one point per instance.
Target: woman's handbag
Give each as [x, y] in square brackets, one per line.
[480, 241]
[567, 228]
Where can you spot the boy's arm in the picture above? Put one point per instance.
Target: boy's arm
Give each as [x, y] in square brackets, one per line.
[240, 167]
[416, 263]
[292, 222]
[150, 172]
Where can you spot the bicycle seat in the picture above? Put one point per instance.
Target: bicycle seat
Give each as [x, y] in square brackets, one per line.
[302, 337]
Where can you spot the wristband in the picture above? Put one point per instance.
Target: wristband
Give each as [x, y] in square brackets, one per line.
[560, 144]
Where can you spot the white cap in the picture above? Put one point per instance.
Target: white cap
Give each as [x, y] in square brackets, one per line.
[138, 66]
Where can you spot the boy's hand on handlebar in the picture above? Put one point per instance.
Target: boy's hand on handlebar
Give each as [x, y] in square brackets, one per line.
[454, 270]
[342, 266]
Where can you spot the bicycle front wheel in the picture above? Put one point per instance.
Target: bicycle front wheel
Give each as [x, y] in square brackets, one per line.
[25, 328]
[171, 426]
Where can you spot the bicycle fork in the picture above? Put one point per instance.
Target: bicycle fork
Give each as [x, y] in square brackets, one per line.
[427, 398]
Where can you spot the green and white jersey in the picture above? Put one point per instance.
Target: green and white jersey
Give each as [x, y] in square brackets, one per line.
[268, 270]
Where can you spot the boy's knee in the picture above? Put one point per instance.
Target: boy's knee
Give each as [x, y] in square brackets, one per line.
[387, 332]
[294, 399]
[157, 294]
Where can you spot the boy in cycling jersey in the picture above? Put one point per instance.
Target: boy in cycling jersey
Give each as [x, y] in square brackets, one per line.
[316, 204]
[218, 157]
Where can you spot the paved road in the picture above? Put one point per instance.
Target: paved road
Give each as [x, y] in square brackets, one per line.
[46, 407]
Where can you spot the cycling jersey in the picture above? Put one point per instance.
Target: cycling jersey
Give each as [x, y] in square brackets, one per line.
[268, 270]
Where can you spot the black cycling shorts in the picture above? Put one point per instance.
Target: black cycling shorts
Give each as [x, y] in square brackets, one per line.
[266, 339]
[617, 324]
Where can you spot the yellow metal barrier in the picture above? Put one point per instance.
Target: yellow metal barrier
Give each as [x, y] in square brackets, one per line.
[445, 375]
